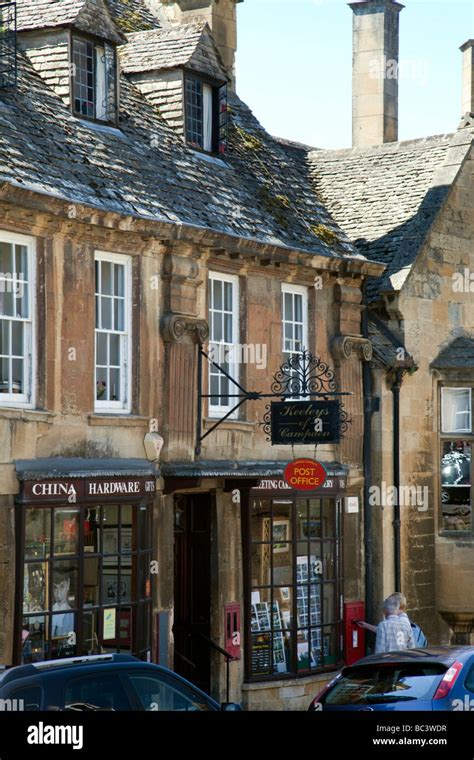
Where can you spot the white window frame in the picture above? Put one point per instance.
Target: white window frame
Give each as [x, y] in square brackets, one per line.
[295, 290]
[26, 400]
[300, 290]
[213, 409]
[467, 430]
[124, 406]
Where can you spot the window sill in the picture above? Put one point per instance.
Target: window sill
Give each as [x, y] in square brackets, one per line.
[117, 420]
[230, 424]
[464, 535]
[26, 415]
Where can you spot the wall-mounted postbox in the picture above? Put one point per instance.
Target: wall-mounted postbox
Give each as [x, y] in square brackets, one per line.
[354, 636]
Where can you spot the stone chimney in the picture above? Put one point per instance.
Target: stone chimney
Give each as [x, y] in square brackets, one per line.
[467, 77]
[221, 15]
[375, 72]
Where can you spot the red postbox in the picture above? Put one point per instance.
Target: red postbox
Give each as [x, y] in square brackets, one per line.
[232, 629]
[354, 636]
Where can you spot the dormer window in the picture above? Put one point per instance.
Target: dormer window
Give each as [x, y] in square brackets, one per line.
[94, 78]
[206, 115]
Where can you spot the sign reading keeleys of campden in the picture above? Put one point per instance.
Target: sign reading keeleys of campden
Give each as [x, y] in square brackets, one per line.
[309, 421]
[305, 474]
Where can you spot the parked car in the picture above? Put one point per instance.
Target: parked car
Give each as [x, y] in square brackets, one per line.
[101, 682]
[432, 678]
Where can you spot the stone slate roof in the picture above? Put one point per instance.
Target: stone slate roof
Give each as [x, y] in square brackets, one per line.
[386, 197]
[91, 16]
[146, 171]
[173, 47]
[132, 15]
[458, 355]
[386, 345]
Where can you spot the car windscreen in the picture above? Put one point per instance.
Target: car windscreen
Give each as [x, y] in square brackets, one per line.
[386, 683]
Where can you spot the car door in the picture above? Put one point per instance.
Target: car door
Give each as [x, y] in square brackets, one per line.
[161, 692]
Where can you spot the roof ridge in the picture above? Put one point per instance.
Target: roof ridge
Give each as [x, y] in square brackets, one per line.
[388, 145]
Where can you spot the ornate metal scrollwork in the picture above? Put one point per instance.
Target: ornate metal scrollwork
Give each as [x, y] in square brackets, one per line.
[303, 374]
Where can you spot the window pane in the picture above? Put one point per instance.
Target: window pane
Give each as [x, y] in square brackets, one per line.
[21, 302]
[34, 639]
[298, 308]
[66, 522]
[101, 349]
[282, 564]
[287, 307]
[106, 313]
[37, 533]
[456, 410]
[119, 280]
[114, 389]
[329, 518]
[34, 587]
[91, 581]
[217, 288]
[119, 311]
[114, 357]
[106, 272]
[5, 337]
[6, 299]
[456, 485]
[6, 259]
[228, 306]
[17, 376]
[228, 328]
[17, 338]
[155, 694]
[217, 333]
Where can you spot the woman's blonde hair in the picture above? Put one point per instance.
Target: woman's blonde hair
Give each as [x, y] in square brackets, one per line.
[400, 598]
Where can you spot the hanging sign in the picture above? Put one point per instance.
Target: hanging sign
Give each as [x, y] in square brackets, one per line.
[305, 474]
[305, 422]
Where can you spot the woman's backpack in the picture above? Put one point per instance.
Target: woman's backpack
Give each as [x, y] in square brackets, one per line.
[418, 635]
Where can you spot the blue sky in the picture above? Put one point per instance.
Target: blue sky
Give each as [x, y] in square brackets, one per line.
[294, 67]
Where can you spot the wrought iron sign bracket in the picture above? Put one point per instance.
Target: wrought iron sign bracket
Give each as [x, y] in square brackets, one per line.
[303, 375]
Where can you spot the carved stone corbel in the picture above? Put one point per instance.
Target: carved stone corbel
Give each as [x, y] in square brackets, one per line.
[343, 346]
[184, 329]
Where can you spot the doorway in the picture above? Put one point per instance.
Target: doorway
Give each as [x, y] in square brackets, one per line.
[192, 588]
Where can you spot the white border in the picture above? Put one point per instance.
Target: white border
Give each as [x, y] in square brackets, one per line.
[117, 407]
[25, 400]
[464, 430]
[216, 411]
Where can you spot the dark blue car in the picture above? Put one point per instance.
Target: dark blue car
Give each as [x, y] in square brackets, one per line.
[432, 678]
[101, 682]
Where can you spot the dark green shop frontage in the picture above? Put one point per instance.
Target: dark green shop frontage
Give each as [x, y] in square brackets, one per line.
[83, 554]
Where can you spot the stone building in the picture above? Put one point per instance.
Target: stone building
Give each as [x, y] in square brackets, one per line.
[411, 205]
[145, 214]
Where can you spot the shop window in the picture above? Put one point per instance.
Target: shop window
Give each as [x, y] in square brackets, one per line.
[456, 461]
[294, 311]
[206, 115]
[94, 76]
[223, 341]
[86, 581]
[294, 586]
[16, 320]
[112, 333]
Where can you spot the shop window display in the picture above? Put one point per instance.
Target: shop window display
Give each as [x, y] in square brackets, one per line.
[294, 585]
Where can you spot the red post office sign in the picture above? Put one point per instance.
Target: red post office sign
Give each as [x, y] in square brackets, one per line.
[305, 474]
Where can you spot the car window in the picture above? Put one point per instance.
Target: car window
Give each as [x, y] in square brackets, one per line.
[24, 698]
[101, 691]
[158, 694]
[387, 683]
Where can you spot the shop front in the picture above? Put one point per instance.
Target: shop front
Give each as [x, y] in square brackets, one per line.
[83, 558]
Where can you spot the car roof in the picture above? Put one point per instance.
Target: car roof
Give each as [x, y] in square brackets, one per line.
[441, 655]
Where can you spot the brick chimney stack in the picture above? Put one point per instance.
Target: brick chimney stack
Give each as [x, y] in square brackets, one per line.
[467, 77]
[221, 15]
[375, 72]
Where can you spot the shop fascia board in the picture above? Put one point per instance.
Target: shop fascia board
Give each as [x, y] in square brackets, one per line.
[173, 232]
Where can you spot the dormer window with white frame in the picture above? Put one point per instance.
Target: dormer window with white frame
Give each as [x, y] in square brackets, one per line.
[94, 80]
[112, 332]
[205, 115]
[17, 324]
